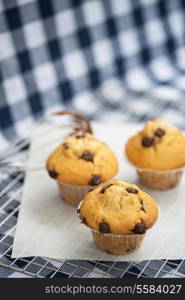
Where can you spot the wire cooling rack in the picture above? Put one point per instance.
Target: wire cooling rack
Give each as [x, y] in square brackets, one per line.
[11, 182]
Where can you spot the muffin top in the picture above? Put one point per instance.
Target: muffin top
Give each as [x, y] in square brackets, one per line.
[119, 208]
[82, 160]
[159, 146]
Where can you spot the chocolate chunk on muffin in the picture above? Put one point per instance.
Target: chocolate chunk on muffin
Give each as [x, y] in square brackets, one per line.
[158, 146]
[118, 216]
[81, 162]
[158, 153]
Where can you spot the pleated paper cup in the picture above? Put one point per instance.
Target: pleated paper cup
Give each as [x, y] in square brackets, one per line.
[73, 194]
[160, 180]
[117, 244]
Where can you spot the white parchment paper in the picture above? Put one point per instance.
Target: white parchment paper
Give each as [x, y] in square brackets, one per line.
[49, 227]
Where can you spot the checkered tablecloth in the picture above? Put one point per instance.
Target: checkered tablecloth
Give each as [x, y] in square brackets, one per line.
[115, 60]
[55, 53]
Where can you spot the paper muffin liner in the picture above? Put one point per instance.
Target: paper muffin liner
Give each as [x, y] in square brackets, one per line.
[73, 194]
[117, 244]
[160, 180]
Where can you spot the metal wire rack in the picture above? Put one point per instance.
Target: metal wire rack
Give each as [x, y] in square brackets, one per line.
[11, 182]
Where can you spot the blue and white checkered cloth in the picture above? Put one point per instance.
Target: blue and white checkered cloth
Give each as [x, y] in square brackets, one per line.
[120, 60]
[55, 53]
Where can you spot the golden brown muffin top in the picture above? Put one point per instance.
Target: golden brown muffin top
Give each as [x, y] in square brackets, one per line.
[119, 208]
[82, 160]
[159, 146]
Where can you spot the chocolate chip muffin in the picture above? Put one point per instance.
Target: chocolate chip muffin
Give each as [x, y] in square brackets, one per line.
[119, 214]
[158, 153]
[80, 163]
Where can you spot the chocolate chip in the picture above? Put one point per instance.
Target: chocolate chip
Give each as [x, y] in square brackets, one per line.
[140, 228]
[105, 188]
[84, 221]
[104, 227]
[147, 141]
[87, 155]
[159, 132]
[80, 135]
[132, 190]
[142, 206]
[52, 173]
[95, 180]
[78, 211]
[65, 146]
